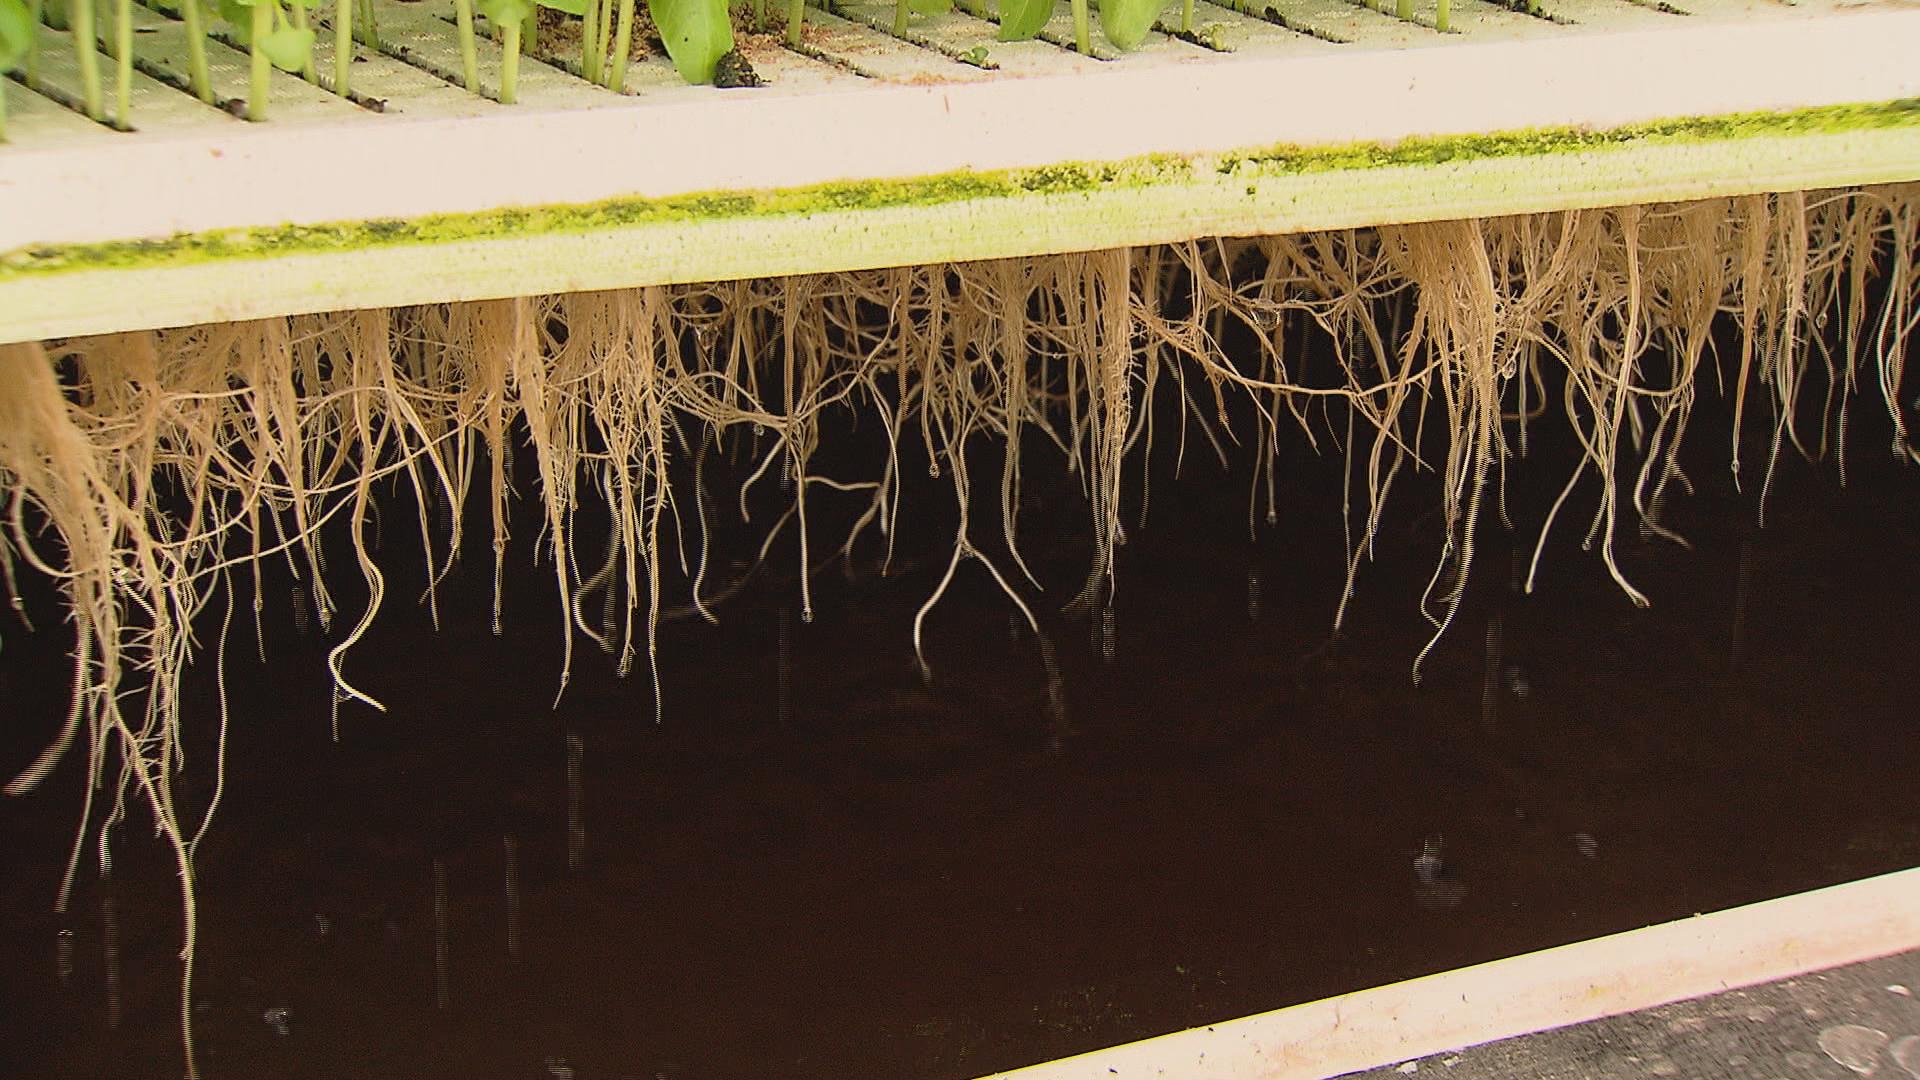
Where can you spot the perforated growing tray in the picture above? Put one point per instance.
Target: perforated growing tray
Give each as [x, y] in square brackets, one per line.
[865, 149]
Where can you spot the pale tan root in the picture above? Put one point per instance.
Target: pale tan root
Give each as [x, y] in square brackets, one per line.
[149, 472]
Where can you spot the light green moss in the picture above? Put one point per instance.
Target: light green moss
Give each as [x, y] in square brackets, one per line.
[1050, 181]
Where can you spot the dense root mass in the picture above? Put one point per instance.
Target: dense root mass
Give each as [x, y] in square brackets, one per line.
[151, 474]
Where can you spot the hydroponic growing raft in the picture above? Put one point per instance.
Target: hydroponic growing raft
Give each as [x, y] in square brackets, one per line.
[866, 134]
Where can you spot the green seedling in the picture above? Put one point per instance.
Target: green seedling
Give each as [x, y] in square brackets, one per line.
[16, 46]
[592, 48]
[510, 16]
[606, 38]
[123, 64]
[469, 52]
[697, 33]
[1022, 20]
[342, 46]
[34, 18]
[602, 33]
[86, 57]
[192, 13]
[297, 19]
[623, 44]
[1124, 22]
[273, 41]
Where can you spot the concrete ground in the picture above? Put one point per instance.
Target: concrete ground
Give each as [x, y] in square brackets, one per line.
[1862, 1020]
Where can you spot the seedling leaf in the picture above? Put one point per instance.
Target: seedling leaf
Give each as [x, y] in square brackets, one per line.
[697, 33]
[16, 33]
[1022, 20]
[502, 12]
[1126, 22]
[238, 14]
[930, 7]
[571, 7]
[288, 48]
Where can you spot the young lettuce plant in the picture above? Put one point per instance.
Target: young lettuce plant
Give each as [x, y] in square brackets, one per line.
[517, 24]
[469, 52]
[273, 41]
[697, 33]
[342, 46]
[79, 17]
[1124, 22]
[81, 22]
[606, 40]
[31, 68]
[16, 44]
[511, 17]
[192, 12]
[120, 48]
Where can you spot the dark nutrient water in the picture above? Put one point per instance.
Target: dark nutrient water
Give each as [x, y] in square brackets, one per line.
[821, 866]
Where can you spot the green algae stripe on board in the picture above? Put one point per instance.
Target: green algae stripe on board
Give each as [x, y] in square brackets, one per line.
[1056, 180]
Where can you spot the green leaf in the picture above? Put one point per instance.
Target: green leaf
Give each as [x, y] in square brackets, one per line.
[502, 12]
[238, 15]
[1126, 22]
[16, 33]
[571, 7]
[930, 7]
[288, 48]
[1021, 20]
[697, 34]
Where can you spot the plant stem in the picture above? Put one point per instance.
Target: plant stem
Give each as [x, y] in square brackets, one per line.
[759, 16]
[1443, 17]
[342, 45]
[80, 17]
[1186, 17]
[591, 47]
[622, 47]
[469, 53]
[34, 15]
[299, 15]
[529, 29]
[197, 76]
[262, 70]
[899, 18]
[509, 62]
[796, 10]
[123, 56]
[369, 26]
[1403, 10]
[1082, 36]
[605, 32]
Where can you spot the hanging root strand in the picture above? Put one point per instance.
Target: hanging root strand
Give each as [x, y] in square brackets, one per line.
[152, 472]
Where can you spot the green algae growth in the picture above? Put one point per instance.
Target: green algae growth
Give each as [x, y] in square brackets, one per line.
[1059, 180]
